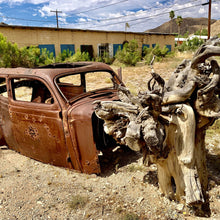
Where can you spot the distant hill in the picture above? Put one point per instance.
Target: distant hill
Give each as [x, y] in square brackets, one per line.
[215, 28]
[188, 24]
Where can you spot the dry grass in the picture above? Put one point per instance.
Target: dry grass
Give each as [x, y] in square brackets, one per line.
[136, 78]
[212, 137]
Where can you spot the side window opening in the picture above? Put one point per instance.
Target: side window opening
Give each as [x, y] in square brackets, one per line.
[72, 85]
[98, 80]
[3, 87]
[31, 90]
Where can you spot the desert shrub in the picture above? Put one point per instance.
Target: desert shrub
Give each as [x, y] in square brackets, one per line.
[130, 216]
[105, 58]
[9, 53]
[32, 56]
[29, 57]
[13, 56]
[191, 45]
[157, 51]
[79, 56]
[203, 32]
[45, 57]
[64, 55]
[78, 201]
[130, 54]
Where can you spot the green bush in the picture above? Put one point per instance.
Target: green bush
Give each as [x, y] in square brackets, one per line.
[203, 32]
[129, 55]
[29, 57]
[190, 45]
[105, 58]
[12, 56]
[63, 56]
[79, 56]
[45, 57]
[157, 51]
[9, 53]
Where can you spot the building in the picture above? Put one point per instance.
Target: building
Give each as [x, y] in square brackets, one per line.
[92, 41]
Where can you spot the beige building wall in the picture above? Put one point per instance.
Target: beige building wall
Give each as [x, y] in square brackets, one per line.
[27, 36]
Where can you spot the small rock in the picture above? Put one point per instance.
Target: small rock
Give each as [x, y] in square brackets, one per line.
[180, 207]
[93, 176]
[140, 199]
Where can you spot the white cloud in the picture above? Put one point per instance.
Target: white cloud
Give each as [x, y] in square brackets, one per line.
[12, 2]
[150, 13]
[202, 11]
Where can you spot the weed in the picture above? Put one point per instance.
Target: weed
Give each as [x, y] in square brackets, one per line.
[214, 129]
[134, 168]
[78, 201]
[130, 216]
[119, 209]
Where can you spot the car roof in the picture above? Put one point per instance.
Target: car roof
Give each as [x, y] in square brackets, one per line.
[55, 69]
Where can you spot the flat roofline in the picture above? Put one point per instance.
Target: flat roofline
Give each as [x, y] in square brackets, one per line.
[82, 30]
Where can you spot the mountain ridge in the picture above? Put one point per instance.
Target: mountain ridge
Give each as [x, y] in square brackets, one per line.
[189, 24]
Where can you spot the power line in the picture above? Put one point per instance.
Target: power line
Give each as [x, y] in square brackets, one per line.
[175, 10]
[109, 19]
[104, 6]
[123, 16]
[146, 18]
[23, 19]
[115, 18]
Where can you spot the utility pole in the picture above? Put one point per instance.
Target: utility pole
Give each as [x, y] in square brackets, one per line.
[209, 17]
[57, 16]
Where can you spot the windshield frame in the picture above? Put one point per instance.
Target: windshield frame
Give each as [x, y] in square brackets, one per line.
[82, 74]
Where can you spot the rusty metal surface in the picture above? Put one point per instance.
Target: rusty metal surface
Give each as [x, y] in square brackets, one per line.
[58, 133]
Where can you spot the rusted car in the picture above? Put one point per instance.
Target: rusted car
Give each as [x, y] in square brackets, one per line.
[47, 113]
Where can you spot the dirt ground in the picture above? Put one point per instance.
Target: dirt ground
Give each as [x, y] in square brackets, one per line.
[125, 190]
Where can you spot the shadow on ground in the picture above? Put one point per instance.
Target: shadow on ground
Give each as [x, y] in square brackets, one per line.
[110, 162]
[213, 166]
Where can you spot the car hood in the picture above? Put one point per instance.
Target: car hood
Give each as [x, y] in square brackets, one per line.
[83, 106]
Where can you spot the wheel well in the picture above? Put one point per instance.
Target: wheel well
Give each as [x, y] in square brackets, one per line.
[103, 141]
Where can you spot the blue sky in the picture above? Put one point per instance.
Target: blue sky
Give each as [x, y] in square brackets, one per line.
[112, 15]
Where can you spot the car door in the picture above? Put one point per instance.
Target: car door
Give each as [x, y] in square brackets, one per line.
[36, 120]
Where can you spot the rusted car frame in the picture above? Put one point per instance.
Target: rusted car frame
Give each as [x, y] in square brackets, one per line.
[47, 113]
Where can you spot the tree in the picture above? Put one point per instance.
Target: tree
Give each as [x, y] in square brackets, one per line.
[172, 15]
[179, 21]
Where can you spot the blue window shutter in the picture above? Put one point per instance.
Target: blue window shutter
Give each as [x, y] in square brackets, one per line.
[153, 45]
[145, 45]
[70, 47]
[169, 47]
[116, 47]
[49, 47]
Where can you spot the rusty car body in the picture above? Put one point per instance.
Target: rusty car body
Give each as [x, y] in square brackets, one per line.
[47, 113]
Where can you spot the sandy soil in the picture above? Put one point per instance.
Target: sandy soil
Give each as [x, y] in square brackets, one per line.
[125, 190]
